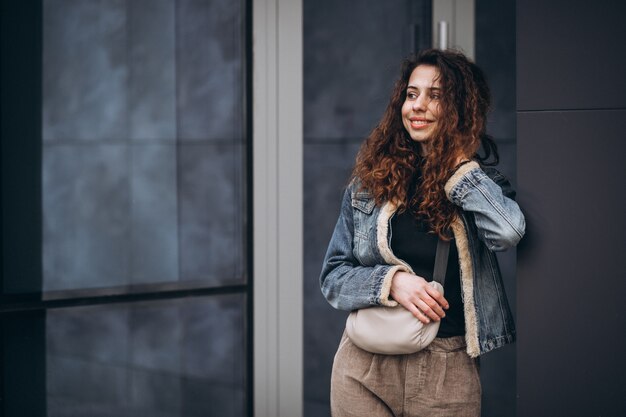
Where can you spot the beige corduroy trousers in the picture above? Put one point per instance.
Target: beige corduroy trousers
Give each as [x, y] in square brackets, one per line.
[439, 381]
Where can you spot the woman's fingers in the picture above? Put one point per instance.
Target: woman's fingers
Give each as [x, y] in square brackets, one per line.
[419, 297]
[417, 313]
[424, 307]
[437, 296]
[431, 309]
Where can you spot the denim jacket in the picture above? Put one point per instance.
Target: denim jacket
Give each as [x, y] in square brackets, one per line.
[359, 263]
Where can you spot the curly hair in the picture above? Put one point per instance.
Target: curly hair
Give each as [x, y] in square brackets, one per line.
[389, 160]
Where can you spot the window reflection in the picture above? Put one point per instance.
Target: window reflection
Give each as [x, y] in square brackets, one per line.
[143, 143]
[167, 358]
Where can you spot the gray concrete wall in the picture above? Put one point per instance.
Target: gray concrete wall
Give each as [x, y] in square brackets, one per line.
[571, 111]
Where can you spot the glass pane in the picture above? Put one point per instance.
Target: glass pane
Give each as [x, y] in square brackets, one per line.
[143, 144]
[168, 358]
[351, 59]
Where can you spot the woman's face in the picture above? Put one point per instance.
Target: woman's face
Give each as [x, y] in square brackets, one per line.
[421, 110]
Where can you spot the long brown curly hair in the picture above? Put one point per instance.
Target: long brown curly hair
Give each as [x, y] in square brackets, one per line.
[389, 160]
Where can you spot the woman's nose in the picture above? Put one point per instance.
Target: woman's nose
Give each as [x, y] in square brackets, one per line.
[420, 103]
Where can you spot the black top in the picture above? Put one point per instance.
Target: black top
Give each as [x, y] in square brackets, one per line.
[411, 241]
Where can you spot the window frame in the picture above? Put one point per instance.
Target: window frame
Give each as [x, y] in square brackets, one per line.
[278, 207]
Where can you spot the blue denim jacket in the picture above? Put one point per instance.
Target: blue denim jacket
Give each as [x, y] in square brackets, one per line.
[359, 264]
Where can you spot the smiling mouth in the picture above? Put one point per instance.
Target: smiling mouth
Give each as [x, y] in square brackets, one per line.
[420, 123]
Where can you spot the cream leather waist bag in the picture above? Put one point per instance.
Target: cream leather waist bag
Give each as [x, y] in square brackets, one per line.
[395, 330]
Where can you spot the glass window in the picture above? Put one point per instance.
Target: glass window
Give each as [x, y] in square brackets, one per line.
[143, 144]
[142, 303]
[166, 358]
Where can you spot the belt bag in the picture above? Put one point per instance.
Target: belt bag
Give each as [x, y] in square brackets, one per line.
[395, 330]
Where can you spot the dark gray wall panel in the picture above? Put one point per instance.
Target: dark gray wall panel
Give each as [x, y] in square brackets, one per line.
[495, 54]
[497, 377]
[352, 53]
[571, 264]
[569, 54]
[327, 169]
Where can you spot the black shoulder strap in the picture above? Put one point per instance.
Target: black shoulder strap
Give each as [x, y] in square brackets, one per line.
[441, 261]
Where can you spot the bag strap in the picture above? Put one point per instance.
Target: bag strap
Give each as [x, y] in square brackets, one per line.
[441, 261]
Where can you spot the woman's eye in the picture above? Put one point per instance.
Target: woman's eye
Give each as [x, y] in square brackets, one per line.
[411, 95]
[434, 96]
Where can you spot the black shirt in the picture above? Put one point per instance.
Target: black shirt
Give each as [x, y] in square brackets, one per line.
[411, 241]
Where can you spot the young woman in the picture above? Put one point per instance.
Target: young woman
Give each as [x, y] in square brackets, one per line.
[419, 177]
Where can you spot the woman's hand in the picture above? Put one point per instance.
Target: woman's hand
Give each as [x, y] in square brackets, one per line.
[416, 295]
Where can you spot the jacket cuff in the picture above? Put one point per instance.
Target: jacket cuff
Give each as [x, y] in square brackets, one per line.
[386, 287]
[458, 174]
